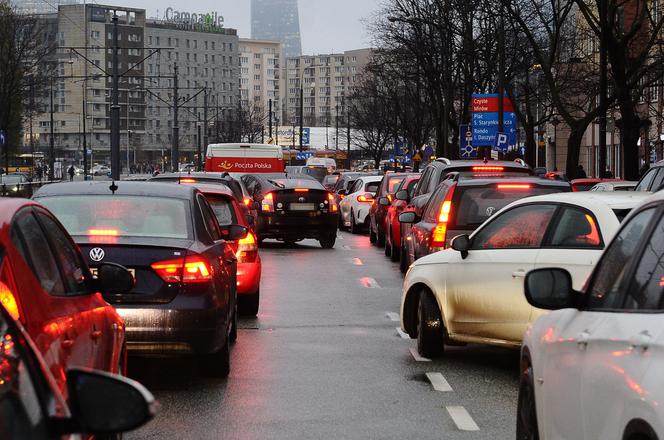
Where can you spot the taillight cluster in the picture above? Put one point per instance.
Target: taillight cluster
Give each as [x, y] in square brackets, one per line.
[247, 249]
[364, 199]
[7, 297]
[191, 269]
[267, 205]
[333, 203]
[439, 235]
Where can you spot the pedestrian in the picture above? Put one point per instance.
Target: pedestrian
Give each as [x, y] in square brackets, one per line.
[580, 172]
[71, 172]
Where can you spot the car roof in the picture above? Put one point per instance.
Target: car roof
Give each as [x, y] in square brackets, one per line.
[526, 179]
[9, 206]
[626, 200]
[207, 188]
[489, 163]
[369, 179]
[124, 188]
[196, 174]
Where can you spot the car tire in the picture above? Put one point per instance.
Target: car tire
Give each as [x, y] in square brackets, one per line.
[354, 227]
[403, 259]
[327, 242]
[526, 419]
[430, 327]
[249, 304]
[218, 364]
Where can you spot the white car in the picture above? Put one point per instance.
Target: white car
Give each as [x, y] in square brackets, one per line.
[100, 170]
[473, 292]
[354, 208]
[592, 368]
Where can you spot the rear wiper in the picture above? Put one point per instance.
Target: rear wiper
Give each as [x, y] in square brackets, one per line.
[277, 184]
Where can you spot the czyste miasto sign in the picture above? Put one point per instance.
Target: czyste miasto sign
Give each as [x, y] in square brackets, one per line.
[209, 21]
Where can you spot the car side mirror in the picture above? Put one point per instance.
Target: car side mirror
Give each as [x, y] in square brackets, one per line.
[408, 217]
[384, 201]
[550, 289]
[113, 279]
[105, 403]
[401, 195]
[461, 243]
[234, 232]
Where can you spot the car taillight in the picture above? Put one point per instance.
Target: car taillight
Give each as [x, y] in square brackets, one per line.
[247, 201]
[364, 199]
[390, 198]
[192, 269]
[247, 249]
[488, 168]
[7, 297]
[187, 180]
[301, 190]
[439, 235]
[103, 235]
[514, 186]
[268, 203]
[333, 204]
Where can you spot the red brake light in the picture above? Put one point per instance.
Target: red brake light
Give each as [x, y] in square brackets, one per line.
[187, 180]
[333, 204]
[514, 186]
[247, 249]
[488, 168]
[192, 269]
[301, 190]
[268, 196]
[439, 235]
[268, 203]
[363, 198]
[330, 197]
[247, 201]
[103, 232]
[390, 198]
[7, 297]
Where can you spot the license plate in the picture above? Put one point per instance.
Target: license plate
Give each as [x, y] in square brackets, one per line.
[302, 207]
[94, 271]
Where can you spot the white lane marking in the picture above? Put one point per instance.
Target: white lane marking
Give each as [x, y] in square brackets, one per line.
[402, 334]
[346, 248]
[417, 357]
[438, 382]
[392, 316]
[369, 283]
[462, 419]
[357, 262]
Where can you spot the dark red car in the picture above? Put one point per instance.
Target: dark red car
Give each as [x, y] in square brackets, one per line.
[383, 200]
[229, 212]
[47, 286]
[402, 196]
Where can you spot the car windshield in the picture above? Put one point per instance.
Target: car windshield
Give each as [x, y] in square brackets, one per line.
[474, 205]
[123, 216]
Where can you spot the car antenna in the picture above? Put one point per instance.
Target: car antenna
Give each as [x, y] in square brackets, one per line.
[113, 187]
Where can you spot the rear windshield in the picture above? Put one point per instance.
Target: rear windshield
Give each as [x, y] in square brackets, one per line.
[372, 187]
[124, 216]
[583, 186]
[393, 184]
[331, 179]
[317, 173]
[223, 209]
[475, 205]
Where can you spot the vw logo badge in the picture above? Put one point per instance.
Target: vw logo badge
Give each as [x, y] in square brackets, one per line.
[97, 254]
[301, 199]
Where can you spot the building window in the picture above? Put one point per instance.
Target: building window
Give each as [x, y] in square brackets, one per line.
[187, 44]
[150, 40]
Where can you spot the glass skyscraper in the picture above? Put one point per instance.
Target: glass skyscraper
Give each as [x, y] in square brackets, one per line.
[277, 20]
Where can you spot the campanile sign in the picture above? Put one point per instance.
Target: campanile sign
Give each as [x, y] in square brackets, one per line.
[191, 20]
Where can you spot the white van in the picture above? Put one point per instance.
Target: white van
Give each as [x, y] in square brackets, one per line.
[244, 158]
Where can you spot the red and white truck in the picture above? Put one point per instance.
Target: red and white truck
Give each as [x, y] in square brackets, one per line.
[244, 158]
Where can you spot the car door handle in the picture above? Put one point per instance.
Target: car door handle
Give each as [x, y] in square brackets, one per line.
[67, 343]
[95, 334]
[582, 339]
[519, 274]
[641, 341]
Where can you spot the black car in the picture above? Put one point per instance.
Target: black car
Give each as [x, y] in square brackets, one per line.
[32, 406]
[184, 301]
[293, 208]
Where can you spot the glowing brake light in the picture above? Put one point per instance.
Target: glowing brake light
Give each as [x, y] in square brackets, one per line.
[103, 232]
[363, 198]
[247, 249]
[301, 190]
[268, 203]
[247, 201]
[488, 168]
[514, 186]
[7, 297]
[333, 204]
[192, 269]
[187, 180]
[439, 234]
[390, 198]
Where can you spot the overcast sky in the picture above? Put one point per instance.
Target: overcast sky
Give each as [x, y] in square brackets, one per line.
[327, 25]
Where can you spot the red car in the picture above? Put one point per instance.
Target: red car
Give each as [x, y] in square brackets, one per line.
[229, 212]
[586, 184]
[392, 226]
[378, 211]
[47, 286]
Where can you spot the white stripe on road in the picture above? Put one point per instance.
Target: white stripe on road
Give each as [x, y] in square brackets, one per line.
[392, 316]
[417, 357]
[461, 418]
[438, 382]
[369, 283]
[402, 334]
[357, 262]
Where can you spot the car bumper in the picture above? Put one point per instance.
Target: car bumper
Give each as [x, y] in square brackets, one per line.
[162, 331]
[296, 227]
[248, 278]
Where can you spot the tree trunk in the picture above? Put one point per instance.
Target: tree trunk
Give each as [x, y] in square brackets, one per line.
[630, 133]
[574, 149]
[531, 145]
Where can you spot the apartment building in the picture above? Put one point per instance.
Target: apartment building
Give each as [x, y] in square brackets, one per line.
[260, 77]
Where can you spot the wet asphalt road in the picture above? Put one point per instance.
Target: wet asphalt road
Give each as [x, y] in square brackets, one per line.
[324, 360]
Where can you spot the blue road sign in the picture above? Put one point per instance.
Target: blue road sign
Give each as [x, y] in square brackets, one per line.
[501, 142]
[485, 130]
[306, 136]
[304, 155]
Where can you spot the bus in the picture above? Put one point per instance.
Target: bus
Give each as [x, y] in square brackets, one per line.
[244, 158]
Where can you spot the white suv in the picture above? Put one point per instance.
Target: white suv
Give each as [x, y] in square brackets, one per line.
[592, 368]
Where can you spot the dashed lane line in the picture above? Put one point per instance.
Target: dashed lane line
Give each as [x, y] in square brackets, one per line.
[417, 357]
[438, 382]
[392, 316]
[357, 262]
[402, 334]
[369, 283]
[461, 418]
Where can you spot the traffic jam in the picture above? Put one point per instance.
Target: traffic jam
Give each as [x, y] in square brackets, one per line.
[565, 276]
